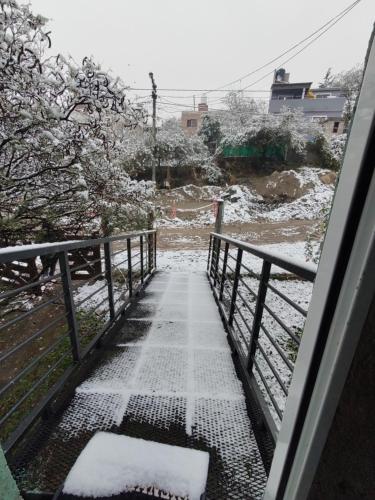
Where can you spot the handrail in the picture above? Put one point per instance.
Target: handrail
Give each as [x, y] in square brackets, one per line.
[78, 321]
[254, 326]
[36, 250]
[305, 270]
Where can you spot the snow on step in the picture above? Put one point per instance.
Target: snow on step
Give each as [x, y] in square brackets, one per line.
[111, 464]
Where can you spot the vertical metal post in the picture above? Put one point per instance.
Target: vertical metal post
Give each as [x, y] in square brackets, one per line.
[150, 226]
[217, 261]
[209, 253]
[130, 279]
[155, 250]
[235, 286]
[149, 251]
[213, 256]
[258, 314]
[219, 216]
[69, 305]
[108, 276]
[224, 271]
[141, 252]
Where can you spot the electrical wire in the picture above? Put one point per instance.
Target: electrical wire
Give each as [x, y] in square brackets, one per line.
[306, 46]
[329, 23]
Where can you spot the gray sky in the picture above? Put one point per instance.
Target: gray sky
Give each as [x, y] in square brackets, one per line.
[204, 44]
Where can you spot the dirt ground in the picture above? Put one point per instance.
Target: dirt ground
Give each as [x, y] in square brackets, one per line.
[196, 238]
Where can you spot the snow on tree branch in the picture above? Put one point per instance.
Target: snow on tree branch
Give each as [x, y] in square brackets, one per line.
[64, 138]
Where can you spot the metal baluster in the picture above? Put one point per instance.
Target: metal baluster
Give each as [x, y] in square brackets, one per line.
[130, 280]
[150, 258]
[108, 276]
[213, 257]
[209, 253]
[141, 251]
[258, 314]
[69, 305]
[235, 286]
[217, 261]
[224, 271]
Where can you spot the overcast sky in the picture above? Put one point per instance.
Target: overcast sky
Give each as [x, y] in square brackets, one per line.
[205, 44]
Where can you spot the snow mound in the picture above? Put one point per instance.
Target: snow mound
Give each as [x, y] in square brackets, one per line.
[308, 206]
[111, 464]
[291, 194]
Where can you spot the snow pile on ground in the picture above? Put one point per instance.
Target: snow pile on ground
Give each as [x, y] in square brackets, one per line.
[245, 205]
[239, 207]
[308, 206]
[111, 464]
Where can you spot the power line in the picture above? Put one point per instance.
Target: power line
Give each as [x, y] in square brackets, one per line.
[328, 25]
[342, 13]
[308, 44]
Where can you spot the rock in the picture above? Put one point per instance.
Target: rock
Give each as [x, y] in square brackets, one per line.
[328, 178]
[283, 186]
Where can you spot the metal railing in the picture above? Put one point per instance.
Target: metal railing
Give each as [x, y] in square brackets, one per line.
[263, 299]
[50, 324]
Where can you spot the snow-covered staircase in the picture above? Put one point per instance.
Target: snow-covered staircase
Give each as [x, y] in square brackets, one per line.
[167, 376]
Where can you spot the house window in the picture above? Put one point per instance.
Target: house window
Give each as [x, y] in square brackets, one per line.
[335, 127]
[192, 123]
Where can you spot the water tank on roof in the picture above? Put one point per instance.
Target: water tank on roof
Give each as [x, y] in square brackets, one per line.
[280, 75]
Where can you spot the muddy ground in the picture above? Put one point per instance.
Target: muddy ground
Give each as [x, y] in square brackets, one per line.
[261, 233]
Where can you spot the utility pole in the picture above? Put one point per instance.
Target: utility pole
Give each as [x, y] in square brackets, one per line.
[194, 102]
[154, 97]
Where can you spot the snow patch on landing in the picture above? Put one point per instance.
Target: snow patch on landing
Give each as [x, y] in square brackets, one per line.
[111, 464]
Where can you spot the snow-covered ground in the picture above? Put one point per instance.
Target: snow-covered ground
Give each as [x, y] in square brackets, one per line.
[308, 206]
[245, 205]
[196, 260]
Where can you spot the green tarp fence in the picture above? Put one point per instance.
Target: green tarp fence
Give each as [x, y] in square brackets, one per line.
[249, 151]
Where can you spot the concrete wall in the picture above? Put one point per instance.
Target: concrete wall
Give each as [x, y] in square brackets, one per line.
[191, 115]
[328, 127]
[330, 107]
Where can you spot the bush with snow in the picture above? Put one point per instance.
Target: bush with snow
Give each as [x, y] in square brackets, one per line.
[62, 138]
[337, 147]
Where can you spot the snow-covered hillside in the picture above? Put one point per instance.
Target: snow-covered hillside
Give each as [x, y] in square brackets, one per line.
[294, 194]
